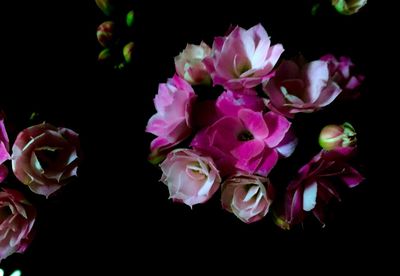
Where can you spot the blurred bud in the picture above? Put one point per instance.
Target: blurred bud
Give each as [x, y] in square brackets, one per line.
[348, 7]
[106, 6]
[104, 55]
[335, 136]
[130, 18]
[127, 51]
[105, 33]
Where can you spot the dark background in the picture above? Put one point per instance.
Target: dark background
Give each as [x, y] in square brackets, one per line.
[116, 217]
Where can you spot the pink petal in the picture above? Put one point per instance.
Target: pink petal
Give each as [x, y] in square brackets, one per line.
[270, 158]
[277, 126]
[247, 150]
[254, 122]
[351, 177]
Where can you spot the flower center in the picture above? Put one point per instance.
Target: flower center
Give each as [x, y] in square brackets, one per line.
[245, 136]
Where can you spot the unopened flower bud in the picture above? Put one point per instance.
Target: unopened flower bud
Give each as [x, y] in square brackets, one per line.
[130, 18]
[106, 6]
[336, 136]
[105, 33]
[348, 7]
[104, 55]
[127, 51]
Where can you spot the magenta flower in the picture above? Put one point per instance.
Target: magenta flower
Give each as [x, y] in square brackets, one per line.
[229, 103]
[242, 59]
[247, 196]
[191, 178]
[45, 157]
[172, 122]
[317, 184]
[248, 142]
[4, 149]
[297, 89]
[341, 71]
[17, 217]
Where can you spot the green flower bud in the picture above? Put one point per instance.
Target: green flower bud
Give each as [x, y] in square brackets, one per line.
[335, 136]
[130, 18]
[127, 51]
[105, 33]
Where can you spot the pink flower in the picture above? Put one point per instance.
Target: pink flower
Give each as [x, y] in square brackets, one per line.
[189, 63]
[172, 122]
[191, 178]
[341, 71]
[305, 89]
[17, 217]
[317, 184]
[4, 149]
[248, 142]
[247, 196]
[45, 157]
[229, 103]
[243, 59]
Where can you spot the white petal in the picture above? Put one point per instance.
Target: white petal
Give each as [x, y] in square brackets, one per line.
[310, 196]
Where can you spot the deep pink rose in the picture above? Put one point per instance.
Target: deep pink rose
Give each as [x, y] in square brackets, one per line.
[317, 184]
[341, 71]
[172, 122]
[17, 217]
[246, 142]
[296, 89]
[4, 149]
[242, 59]
[45, 157]
[189, 64]
[247, 196]
[191, 178]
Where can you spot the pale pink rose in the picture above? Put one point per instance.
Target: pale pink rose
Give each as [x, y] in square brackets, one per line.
[248, 141]
[189, 63]
[296, 89]
[17, 217]
[247, 196]
[172, 122]
[4, 149]
[341, 72]
[242, 59]
[45, 157]
[191, 178]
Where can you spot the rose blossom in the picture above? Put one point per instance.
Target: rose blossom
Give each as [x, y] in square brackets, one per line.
[247, 196]
[4, 149]
[17, 217]
[45, 157]
[242, 59]
[297, 89]
[172, 122]
[189, 63]
[191, 178]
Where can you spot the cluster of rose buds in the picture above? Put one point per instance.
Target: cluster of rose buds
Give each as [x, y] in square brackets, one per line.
[234, 139]
[117, 49]
[44, 158]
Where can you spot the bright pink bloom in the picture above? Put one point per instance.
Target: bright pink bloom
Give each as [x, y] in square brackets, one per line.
[17, 217]
[172, 122]
[45, 157]
[247, 196]
[317, 184]
[4, 149]
[246, 142]
[242, 59]
[297, 89]
[341, 71]
[191, 178]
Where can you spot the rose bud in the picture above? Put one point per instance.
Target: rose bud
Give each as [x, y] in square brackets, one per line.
[335, 136]
[127, 51]
[105, 33]
[17, 217]
[348, 7]
[45, 157]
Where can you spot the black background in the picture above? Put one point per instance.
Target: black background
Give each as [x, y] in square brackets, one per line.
[116, 217]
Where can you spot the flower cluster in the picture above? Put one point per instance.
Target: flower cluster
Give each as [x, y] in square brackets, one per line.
[44, 158]
[231, 140]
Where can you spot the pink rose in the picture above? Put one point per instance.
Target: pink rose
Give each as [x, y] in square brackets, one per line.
[297, 89]
[191, 178]
[317, 184]
[4, 149]
[189, 64]
[249, 141]
[247, 196]
[17, 217]
[341, 72]
[45, 157]
[172, 122]
[243, 59]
